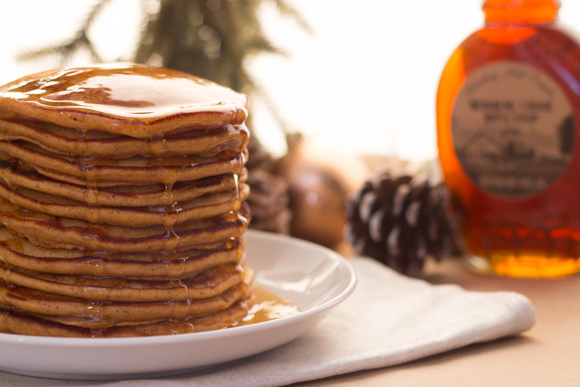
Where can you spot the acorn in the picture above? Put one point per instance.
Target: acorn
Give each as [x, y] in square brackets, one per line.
[320, 179]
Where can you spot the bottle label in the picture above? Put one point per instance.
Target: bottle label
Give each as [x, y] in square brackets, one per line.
[512, 128]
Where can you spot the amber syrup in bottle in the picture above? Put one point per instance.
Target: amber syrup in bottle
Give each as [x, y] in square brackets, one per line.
[508, 125]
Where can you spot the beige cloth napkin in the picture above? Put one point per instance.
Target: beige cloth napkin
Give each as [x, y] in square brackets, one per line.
[389, 319]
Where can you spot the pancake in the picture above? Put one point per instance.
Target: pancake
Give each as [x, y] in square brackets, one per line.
[35, 326]
[73, 233]
[208, 283]
[103, 98]
[20, 252]
[69, 142]
[16, 173]
[106, 315]
[199, 208]
[100, 171]
[123, 203]
[111, 313]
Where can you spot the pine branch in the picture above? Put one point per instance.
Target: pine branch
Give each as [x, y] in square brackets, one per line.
[66, 49]
[291, 12]
[212, 39]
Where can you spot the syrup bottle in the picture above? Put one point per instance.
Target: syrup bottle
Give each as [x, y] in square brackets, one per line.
[508, 125]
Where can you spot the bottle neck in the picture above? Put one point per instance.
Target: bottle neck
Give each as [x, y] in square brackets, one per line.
[520, 11]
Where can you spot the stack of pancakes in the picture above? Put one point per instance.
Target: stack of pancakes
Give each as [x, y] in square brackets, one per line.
[122, 203]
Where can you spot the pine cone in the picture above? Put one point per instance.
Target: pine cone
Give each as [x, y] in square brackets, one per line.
[269, 197]
[260, 158]
[400, 223]
[268, 202]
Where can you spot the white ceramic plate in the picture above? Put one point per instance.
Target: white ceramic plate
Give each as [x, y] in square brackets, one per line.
[312, 277]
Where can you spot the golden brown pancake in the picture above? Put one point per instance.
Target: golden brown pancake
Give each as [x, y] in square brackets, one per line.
[15, 173]
[35, 326]
[50, 231]
[20, 252]
[103, 97]
[113, 313]
[195, 209]
[208, 283]
[69, 142]
[100, 171]
[104, 315]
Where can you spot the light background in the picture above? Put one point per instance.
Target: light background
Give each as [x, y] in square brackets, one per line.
[363, 82]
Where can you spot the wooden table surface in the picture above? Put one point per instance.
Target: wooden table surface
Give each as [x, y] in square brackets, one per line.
[548, 355]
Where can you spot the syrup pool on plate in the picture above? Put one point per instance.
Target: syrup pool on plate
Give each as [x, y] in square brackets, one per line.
[268, 307]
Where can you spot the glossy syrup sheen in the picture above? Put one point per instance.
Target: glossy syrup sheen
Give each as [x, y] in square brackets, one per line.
[538, 235]
[268, 307]
[144, 101]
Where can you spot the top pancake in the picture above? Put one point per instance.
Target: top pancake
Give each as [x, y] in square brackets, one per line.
[133, 100]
